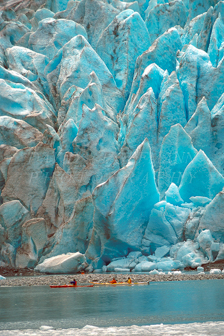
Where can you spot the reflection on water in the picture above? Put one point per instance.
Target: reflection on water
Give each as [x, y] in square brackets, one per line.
[165, 302]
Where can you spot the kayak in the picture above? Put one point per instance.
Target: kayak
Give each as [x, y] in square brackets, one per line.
[69, 286]
[119, 283]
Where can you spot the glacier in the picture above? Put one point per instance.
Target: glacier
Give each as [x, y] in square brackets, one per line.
[111, 134]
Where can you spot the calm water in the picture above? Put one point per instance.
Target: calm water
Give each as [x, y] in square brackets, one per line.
[167, 302]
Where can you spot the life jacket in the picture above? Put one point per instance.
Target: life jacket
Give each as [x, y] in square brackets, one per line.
[129, 281]
[74, 283]
[113, 281]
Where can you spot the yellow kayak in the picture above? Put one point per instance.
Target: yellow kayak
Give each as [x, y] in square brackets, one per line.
[119, 283]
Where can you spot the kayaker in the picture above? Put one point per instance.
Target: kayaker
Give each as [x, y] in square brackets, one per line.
[74, 282]
[113, 281]
[129, 281]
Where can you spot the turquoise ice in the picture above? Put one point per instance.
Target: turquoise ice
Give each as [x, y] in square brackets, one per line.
[112, 134]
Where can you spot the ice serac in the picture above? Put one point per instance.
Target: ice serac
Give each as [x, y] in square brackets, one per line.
[58, 5]
[68, 132]
[96, 144]
[212, 218]
[20, 102]
[73, 65]
[40, 14]
[198, 79]
[95, 16]
[171, 43]
[203, 38]
[177, 151]
[141, 109]
[11, 33]
[94, 160]
[60, 198]
[143, 124]
[120, 44]
[187, 252]
[199, 6]
[123, 5]
[205, 241]
[191, 226]
[173, 195]
[15, 77]
[120, 229]
[165, 16]
[34, 238]
[192, 29]
[171, 109]
[217, 122]
[151, 77]
[12, 216]
[52, 34]
[30, 65]
[165, 226]
[93, 94]
[216, 45]
[74, 235]
[7, 151]
[199, 128]
[29, 174]
[200, 178]
[18, 133]
[83, 83]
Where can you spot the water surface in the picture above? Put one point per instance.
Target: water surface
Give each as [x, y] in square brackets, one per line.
[160, 302]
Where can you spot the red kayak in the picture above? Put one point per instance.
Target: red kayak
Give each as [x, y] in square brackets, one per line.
[69, 286]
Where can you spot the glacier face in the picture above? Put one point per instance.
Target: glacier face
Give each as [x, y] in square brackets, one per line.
[111, 134]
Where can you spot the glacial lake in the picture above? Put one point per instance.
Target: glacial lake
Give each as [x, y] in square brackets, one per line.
[160, 302]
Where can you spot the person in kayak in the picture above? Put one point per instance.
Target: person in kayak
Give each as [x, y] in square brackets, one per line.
[113, 281]
[129, 281]
[74, 282]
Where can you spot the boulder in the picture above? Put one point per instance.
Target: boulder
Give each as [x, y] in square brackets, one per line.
[125, 263]
[64, 263]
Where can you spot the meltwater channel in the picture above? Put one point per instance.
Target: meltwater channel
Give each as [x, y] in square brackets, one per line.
[160, 302]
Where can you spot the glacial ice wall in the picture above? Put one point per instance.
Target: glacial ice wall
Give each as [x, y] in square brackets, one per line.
[112, 133]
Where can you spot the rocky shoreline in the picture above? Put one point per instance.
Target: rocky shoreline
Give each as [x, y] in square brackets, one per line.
[46, 280]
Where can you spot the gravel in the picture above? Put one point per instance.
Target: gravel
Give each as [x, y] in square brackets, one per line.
[46, 280]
